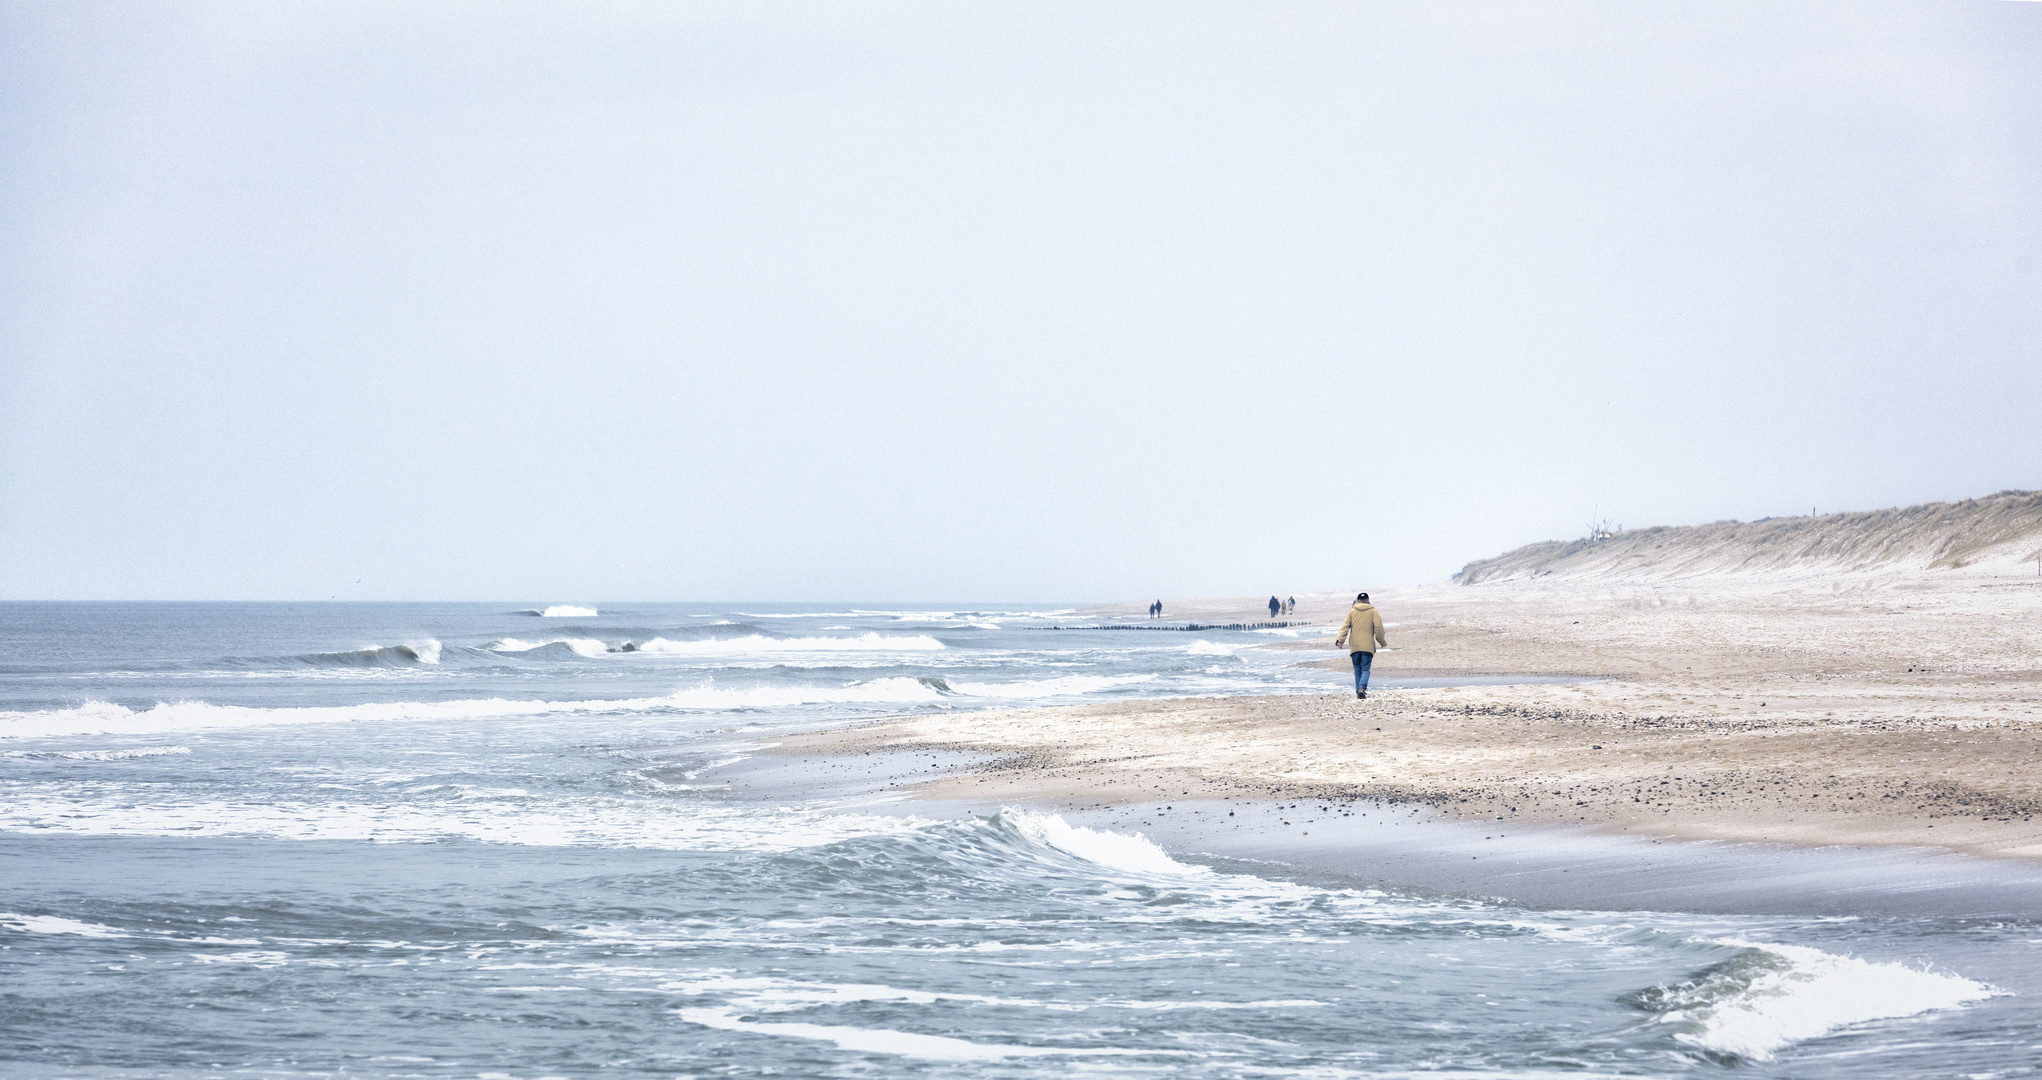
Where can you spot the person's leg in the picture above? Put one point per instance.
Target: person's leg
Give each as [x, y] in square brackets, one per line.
[1362, 661]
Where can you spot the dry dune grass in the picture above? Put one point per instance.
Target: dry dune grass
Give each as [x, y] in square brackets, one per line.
[1933, 536]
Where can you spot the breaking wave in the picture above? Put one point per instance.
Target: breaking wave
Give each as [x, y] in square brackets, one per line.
[870, 641]
[1769, 996]
[107, 718]
[1131, 852]
[98, 755]
[1059, 687]
[409, 654]
[577, 646]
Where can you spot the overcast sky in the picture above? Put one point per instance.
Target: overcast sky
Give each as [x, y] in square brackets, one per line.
[989, 301]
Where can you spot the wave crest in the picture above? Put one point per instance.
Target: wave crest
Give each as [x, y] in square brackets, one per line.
[870, 641]
[409, 654]
[1062, 686]
[107, 718]
[1768, 996]
[577, 646]
[98, 755]
[1131, 852]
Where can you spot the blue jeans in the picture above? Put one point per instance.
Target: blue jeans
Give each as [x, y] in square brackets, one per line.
[1361, 662]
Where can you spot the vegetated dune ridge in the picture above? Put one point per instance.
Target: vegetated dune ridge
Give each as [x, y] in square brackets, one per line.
[2006, 527]
[1845, 679]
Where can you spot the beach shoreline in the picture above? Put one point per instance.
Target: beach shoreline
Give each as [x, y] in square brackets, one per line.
[1474, 753]
[1403, 847]
[1777, 724]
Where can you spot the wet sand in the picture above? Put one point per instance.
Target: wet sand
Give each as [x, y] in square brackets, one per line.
[1405, 847]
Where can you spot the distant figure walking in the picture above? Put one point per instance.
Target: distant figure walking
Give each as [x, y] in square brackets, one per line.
[1291, 607]
[1156, 610]
[1275, 606]
[1360, 635]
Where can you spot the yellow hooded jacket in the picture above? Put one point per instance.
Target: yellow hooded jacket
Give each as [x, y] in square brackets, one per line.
[1362, 630]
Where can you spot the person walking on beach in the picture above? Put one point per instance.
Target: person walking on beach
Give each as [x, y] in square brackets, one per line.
[1275, 606]
[1360, 634]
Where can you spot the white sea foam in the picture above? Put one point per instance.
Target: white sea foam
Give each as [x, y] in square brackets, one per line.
[1062, 686]
[1300, 631]
[96, 755]
[890, 1041]
[51, 924]
[580, 646]
[895, 689]
[568, 611]
[433, 816]
[116, 755]
[870, 641]
[904, 616]
[1120, 851]
[1207, 648]
[1775, 995]
[796, 615]
[105, 718]
[770, 994]
[424, 652]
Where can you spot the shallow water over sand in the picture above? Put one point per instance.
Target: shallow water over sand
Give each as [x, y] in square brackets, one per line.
[438, 840]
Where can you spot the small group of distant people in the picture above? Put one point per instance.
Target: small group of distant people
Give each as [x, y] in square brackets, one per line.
[1360, 634]
[1156, 610]
[1282, 607]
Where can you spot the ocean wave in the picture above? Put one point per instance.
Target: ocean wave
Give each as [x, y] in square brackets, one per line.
[577, 646]
[1062, 686]
[507, 818]
[870, 641]
[889, 1041]
[896, 690]
[607, 633]
[408, 654]
[1769, 996]
[106, 718]
[54, 924]
[98, 755]
[1131, 852]
[567, 611]
[937, 616]
[800, 614]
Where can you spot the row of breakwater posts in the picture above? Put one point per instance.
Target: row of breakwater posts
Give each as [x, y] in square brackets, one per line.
[1186, 626]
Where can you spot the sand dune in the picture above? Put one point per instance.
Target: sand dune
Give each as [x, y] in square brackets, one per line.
[1996, 531]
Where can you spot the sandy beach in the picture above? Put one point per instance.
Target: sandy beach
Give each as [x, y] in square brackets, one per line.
[1888, 701]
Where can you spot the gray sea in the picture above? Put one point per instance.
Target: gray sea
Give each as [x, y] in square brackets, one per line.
[492, 841]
